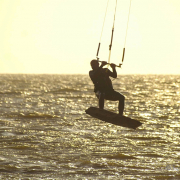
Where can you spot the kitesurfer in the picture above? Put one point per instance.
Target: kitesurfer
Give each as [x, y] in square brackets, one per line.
[103, 86]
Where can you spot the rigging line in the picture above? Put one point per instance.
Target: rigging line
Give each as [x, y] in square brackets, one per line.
[112, 34]
[102, 31]
[126, 32]
[127, 23]
[104, 20]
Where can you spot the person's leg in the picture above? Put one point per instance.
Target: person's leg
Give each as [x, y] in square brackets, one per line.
[101, 101]
[121, 104]
[116, 96]
[100, 97]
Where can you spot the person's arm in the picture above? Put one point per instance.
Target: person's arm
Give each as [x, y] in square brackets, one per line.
[95, 73]
[114, 73]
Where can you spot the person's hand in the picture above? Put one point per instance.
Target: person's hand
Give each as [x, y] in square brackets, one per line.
[112, 65]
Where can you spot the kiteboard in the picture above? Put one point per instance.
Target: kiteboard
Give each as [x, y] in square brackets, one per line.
[113, 118]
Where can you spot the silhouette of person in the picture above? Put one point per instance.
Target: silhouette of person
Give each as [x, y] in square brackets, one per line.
[103, 86]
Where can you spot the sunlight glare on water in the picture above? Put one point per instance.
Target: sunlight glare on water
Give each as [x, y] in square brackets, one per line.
[45, 132]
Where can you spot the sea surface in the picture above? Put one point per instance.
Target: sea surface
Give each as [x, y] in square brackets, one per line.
[46, 134]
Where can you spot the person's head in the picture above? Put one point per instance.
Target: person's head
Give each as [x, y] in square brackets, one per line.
[94, 64]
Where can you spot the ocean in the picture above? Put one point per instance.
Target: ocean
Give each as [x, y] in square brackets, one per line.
[46, 134]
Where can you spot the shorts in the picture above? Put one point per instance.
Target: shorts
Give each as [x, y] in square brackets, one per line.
[110, 95]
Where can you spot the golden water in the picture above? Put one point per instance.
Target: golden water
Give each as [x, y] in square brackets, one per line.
[46, 134]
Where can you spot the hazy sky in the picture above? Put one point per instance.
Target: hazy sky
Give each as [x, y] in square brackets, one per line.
[61, 36]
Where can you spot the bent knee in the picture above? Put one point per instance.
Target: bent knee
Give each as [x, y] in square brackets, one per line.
[121, 97]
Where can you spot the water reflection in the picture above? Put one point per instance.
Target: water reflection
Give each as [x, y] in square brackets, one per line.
[45, 132]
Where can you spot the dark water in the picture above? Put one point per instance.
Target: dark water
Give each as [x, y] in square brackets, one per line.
[45, 133]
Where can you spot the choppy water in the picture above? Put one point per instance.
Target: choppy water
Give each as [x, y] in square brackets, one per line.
[45, 133]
